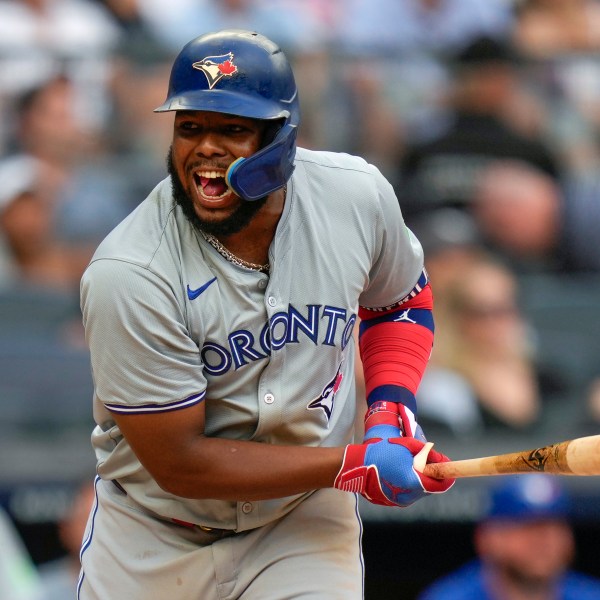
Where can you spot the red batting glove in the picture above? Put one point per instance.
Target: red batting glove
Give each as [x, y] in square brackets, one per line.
[382, 472]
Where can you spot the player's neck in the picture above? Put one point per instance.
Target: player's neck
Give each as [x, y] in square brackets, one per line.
[252, 243]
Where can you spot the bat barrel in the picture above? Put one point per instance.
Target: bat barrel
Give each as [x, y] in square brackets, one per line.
[580, 456]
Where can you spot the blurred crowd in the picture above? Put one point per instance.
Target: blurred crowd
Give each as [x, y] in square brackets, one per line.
[484, 115]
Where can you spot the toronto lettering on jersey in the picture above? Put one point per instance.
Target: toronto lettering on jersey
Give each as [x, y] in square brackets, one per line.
[321, 325]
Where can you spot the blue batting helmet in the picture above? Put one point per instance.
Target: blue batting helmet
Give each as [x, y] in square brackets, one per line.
[530, 497]
[241, 73]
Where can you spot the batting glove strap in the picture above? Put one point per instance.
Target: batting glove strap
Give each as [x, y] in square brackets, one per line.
[408, 421]
[382, 421]
[387, 419]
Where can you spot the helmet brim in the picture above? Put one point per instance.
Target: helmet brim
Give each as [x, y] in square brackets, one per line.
[224, 101]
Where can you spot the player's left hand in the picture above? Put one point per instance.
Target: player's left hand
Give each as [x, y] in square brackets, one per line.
[382, 471]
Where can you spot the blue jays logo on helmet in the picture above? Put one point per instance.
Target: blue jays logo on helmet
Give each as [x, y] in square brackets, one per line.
[216, 67]
[326, 399]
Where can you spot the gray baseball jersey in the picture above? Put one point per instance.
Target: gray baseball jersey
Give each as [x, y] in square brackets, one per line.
[170, 322]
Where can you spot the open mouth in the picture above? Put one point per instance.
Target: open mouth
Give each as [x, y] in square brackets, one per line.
[211, 185]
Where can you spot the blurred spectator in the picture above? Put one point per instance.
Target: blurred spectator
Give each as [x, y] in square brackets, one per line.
[137, 135]
[88, 194]
[284, 21]
[18, 576]
[518, 209]
[29, 251]
[391, 54]
[41, 38]
[129, 18]
[536, 222]
[560, 40]
[451, 244]
[49, 126]
[483, 371]
[378, 27]
[525, 547]
[59, 577]
[549, 27]
[485, 90]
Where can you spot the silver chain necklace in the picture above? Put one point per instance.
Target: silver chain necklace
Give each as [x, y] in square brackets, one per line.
[231, 257]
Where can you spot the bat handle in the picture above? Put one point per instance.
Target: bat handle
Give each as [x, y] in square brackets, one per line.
[420, 459]
[437, 470]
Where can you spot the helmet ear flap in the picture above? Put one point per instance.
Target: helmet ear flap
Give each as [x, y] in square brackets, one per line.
[267, 170]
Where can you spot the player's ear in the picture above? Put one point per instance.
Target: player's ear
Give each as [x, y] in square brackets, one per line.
[271, 130]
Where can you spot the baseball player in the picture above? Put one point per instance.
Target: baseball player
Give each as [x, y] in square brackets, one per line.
[220, 318]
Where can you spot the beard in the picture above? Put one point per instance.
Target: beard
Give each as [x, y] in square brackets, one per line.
[234, 223]
[528, 582]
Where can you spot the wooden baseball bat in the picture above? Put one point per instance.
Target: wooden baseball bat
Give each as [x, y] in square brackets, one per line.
[580, 456]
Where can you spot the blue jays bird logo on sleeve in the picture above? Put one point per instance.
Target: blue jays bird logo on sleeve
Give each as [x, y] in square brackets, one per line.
[326, 399]
[216, 67]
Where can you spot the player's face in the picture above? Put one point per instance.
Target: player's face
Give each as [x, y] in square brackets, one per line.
[204, 145]
[532, 553]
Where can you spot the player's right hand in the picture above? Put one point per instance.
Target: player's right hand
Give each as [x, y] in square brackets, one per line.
[382, 471]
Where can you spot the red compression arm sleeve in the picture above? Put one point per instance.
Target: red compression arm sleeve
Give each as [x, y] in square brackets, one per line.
[395, 346]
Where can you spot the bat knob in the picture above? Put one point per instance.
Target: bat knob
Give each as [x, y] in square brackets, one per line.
[420, 459]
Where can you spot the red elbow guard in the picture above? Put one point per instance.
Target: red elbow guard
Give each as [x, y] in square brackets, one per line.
[395, 346]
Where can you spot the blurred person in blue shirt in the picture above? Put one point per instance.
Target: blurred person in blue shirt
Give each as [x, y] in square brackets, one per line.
[525, 547]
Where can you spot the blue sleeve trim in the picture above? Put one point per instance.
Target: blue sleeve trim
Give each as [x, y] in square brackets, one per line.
[394, 393]
[417, 316]
[157, 408]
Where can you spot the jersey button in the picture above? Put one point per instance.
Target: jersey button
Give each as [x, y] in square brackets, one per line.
[272, 301]
[247, 507]
[269, 398]
[262, 284]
